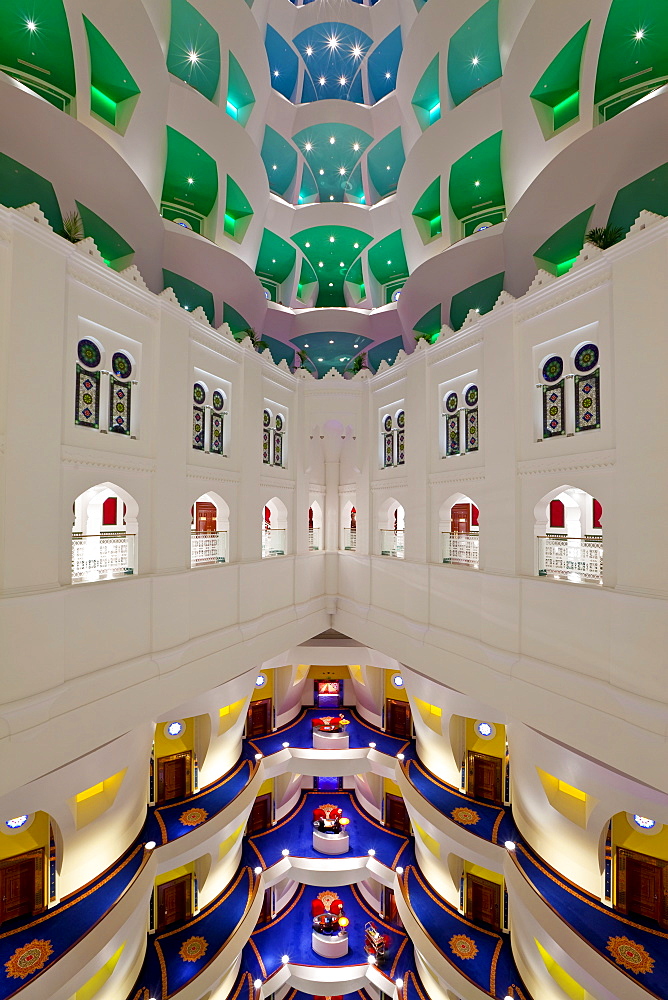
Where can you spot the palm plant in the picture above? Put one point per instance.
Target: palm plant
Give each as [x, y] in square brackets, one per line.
[604, 236]
[73, 229]
[256, 341]
[423, 336]
[357, 364]
[302, 357]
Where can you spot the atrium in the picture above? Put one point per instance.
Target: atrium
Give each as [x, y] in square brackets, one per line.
[332, 657]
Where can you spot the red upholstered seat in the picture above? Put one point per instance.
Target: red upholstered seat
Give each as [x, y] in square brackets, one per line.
[318, 814]
[316, 722]
[336, 907]
[317, 907]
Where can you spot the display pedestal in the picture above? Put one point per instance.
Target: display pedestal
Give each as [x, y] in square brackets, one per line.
[330, 741]
[329, 945]
[330, 843]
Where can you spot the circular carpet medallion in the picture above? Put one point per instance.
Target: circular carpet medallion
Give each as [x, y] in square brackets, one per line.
[193, 949]
[193, 817]
[630, 954]
[463, 946]
[465, 816]
[28, 958]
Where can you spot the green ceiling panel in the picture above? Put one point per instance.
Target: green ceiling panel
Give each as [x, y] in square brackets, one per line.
[279, 350]
[426, 99]
[476, 183]
[649, 191]
[430, 323]
[111, 244]
[307, 280]
[194, 49]
[473, 54]
[35, 46]
[236, 322]
[189, 293]
[387, 351]
[240, 96]
[330, 349]
[387, 259]
[427, 212]
[21, 186]
[308, 191]
[385, 162]
[561, 249]
[333, 164]
[634, 52]
[191, 179]
[481, 296]
[280, 161]
[275, 259]
[111, 82]
[331, 250]
[559, 87]
[238, 211]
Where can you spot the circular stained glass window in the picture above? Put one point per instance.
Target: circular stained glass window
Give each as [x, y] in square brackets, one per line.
[553, 369]
[397, 680]
[471, 395]
[586, 357]
[260, 680]
[199, 393]
[401, 419]
[644, 822]
[89, 353]
[121, 365]
[218, 400]
[266, 418]
[387, 423]
[395, 294]
[279, 422]
[486, 730]
[174, 729]
[451, 402]
[17, 822]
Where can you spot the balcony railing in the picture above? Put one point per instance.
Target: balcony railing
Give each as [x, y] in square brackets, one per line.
[208, 548]
[579, 560]
[350, 539]
[460, 548]
[273, 542]
[314, 540]
[392, 544]
[103, 557]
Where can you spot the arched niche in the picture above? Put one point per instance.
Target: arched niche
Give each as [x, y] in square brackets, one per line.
[391, 522]
[104, 534]
[209, 530]
[274, 528]
[569, 536]
[459, 531]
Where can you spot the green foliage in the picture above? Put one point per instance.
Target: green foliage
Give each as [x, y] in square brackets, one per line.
[357, 364]
[73, 229]
[258, 344]
[604, 236]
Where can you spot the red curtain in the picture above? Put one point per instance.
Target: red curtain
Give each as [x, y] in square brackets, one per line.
[557, 514]
[475, 514]
[110, 510]
[598, 514]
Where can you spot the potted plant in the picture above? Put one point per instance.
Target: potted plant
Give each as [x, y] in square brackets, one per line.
[356, 365]
[422, 336]
[604, 236]
[73, 229]
[302, 357]
[256, 341]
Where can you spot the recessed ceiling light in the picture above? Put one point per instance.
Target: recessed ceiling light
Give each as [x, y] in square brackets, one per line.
[331, 341]
[356, 146]
[309, 50]
[191, 180]
[475, 60]
[274, 167]
[307, 244]
[321, 171]
[343, 81]
[276, 73]
[331, 239]
[356, 346]
[305, 345]
[477, 184]
[321, 263]
[331, 285]
[356, 246]
[322, 81]
[342, 171]
[308, 147]
[388, 76]
[31, 25]
[331, 197]
[273, 260]
[357, 51]
[640, 33]
[193, 56]
[332, 139]
[388, 166]
[320, 359]
[389, 262]
[342, 359]
[333, 42]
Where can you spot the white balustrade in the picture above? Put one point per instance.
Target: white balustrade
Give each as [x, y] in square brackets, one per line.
[579, 560]
[273, 542]
[350, 539]
[392, 543]
[314, 540]
[207, 548]
[103, 557]
[461, 548]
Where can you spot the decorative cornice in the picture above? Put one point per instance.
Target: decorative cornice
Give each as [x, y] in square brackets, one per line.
[348, 488]
[391, 484]
[568, 463]
[99, 278]
[277, 484]
[550, 297]
[214, 341]
[439, 478]
[220, 476]
[462, 341]
[86, 457]
[317, 489]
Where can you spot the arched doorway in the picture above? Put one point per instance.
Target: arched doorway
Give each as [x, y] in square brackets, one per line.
[459, 525]
[569, 536]
[104, 534]
[209, 531]
[391, 518]
[274, 528]
[349, 527]
[314, 527]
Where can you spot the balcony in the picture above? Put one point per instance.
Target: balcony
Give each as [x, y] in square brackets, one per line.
[273, 542]
[208, 548]
[392, 543]
[103, 557]
[314, 540]
[349, 539]
[460, 548]
[579, 560]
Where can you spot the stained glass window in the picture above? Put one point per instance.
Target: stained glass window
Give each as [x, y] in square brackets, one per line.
[266, 437]
[471, 419]
[87, 402]
[119, 405]
[401, 454]
[586, 358]
[89, 353]
[216, 440]
[198, 428]
[553, 410]
[452, 435]
[121, 365]
[553, 369]
[587, 401]
[388, 453]
[278, 448]
[471, 395]
[199, 394]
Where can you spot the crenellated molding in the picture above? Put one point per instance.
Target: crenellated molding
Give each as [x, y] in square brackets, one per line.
[547, 298]
[572, 463]
[89, 272]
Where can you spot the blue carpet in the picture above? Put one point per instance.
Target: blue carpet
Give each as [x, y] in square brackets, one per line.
[644, 950]
[165, 823]
[295, 832]
[483, 956]
[300, 734]
[494, 823]
[165, 970]
[276, 939]
[63, 926]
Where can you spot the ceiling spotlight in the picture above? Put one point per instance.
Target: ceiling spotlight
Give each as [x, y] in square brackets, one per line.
[332, 239]
[322, 81]
[309, 50]
[257, 983]
[342, 359]
[321, 263]
[372, 745]
[273, 260]
[308, 147]
[357, 51]
[331, 197]
[193, 57]
[399, 870]
[276, 73]
[341, 264]
[509, 845]
[640, 33]
[331, 341]
[356, 147]
[333, 42]
[305, 345]
[343, 80]
[388, 166]
[31, 25]
[389, 262]
[285, 746]
[399, 983]
[331, 285]
[342, 171]
[321, 359]
[356, 346]
[149, 845]
[191, 180]
[307, 244]
[258, 756]
[258, 871]
[332, 140]
[321, 172]
[285, 852]
[400, 756]
[371, 959]
[285, 959]
[371, 852]
[274, 166]
[475, 61]
[356, 246]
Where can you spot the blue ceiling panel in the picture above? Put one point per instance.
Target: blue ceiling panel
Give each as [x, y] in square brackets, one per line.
[283, 63]
[383, 64]
[333, 54]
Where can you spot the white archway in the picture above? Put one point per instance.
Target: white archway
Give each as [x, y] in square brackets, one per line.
[209, 530]
[274, 528]
[104, 534]
[349, 527]
[391, 521]
[569, 536]
[459, 531]
[315, 540]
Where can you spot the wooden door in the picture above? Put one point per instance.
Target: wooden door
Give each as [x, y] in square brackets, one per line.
[396, 814]
[22, 885]
[174, 901]
[398, 718]
[260, 815]
[460, 518]
[390, 910]
[265, 912]
[258, 722]
[642, 886]
[205, 516]
[483, 901]
[174, 777]
[485, 775]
